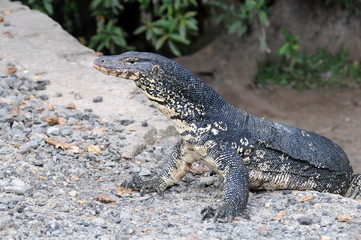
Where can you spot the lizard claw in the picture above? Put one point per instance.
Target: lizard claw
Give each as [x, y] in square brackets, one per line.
[144, 186]
[225, 213]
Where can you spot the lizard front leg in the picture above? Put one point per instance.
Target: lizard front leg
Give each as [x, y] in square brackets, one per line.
[177, 165]
[230, 165]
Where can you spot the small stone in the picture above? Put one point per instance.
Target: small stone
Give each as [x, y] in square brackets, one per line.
[304, 220]
[127, 155]
[126, 122]
[207, 181]
[58, 94]
[144, 124]
[98, 99]
[73, 193]
[286, 192]
[5, 221]
[44, 97]
[53, 131]
[98, 221]
[325, 221]
[77, 96]
[31, 144]
[88, 110]
[145, 172]
[18, 187]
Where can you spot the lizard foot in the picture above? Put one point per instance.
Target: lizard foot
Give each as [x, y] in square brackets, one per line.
[225, 213]
[145, 186]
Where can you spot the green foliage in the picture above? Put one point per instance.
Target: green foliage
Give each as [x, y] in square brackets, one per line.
[170, 24]
[108, 37]
[239, 17]
[166, 24]
[42, 5]
[320, 70]
[290, 50]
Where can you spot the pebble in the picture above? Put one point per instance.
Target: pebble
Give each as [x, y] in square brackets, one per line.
[5, 221]
[98, 99]
[305, 220]
[17, 186]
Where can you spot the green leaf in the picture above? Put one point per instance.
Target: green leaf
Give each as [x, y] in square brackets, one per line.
[192, 24]
[190, 14]
[234, 27]
[284, 49]
[178, 38]
[162, 23]
[48, 7]
[157, 31]
[263, 18]
[174, 48]
[160, 42]
[139, 30]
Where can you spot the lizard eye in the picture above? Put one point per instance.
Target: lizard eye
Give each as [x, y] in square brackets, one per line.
[131, 61]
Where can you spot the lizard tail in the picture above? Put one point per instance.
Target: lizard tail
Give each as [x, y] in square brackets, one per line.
[354, 190]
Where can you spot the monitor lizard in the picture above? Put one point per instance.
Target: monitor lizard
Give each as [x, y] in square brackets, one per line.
[248, 151]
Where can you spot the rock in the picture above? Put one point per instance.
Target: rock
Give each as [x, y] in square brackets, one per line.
[5, 221]
[145, 172]
[207, 181]
[305, 220]
[53, 130]
[98, 99]
[17, 186]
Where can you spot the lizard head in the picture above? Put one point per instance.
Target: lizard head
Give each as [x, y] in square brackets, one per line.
[145, 69]
[175, 91]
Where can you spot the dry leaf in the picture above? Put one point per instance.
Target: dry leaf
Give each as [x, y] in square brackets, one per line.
[81, 202]
[1, 18]
[344, 218]
[74, 178]
[98, 54]
[98, 131]
[94, 149]
[49, 107]
[323, 237]
[306, 198]
[42, 177]
[62, 145]
[16, 109]
[40, 73]
[127, 155]
[279, 216]
[7, 12]
[10, 69]
[51, 120]
[91, 218]
[104, 198]
[122, 190]
[71, 106]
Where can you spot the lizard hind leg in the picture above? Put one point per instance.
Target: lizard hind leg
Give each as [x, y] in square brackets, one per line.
[177, 165]
[354, 190]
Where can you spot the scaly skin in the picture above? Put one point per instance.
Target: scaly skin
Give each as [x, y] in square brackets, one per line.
[249, 152]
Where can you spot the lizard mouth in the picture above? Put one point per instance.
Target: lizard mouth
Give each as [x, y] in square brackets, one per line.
[115, 73]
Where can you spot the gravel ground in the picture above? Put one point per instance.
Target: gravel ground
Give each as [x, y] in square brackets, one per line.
[61, 170]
